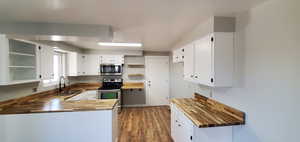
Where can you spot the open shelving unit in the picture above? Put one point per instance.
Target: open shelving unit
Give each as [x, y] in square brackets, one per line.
[21, 54]
[21, 64]
[136, 65]
[136, 75]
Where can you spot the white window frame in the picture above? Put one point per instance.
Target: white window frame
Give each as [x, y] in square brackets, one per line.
[61, 70]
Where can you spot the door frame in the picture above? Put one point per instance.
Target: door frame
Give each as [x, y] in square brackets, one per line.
[148, 103]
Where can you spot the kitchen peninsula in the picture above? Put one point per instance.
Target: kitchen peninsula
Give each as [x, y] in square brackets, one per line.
[49, 117]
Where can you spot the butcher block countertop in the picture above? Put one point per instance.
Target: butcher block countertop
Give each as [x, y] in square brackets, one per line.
[205, 112]
[133, 85]
[50, 101]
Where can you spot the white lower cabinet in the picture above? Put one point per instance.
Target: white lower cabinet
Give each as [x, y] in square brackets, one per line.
[184, 130]
[181, 127]
[213, 134]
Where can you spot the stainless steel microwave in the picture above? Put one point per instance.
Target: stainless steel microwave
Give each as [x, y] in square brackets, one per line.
[111, 69]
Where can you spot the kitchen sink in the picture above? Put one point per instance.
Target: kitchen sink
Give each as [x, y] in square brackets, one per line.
[87, 95]
[69, 92]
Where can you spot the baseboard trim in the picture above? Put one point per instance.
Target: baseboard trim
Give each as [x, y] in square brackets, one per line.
[138, 105]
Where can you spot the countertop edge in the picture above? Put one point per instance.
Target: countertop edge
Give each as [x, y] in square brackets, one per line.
[205, 125]
[35, 111]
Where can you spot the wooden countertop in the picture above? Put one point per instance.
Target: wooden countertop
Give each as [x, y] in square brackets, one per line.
[50, 101]
[205, 112]
[133, 85]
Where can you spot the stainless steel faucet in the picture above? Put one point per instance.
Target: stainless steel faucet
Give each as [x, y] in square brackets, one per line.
[60, 83]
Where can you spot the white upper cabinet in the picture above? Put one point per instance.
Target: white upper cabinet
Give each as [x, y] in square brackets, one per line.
[203, 60]
[91, 64]
[82, 64]
[178, 55]
[18, 61]
[189, 62]
[111, 59]
[209, 61]
[46, 62]
[74, 63]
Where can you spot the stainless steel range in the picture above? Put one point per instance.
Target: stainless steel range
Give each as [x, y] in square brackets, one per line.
[111, 89]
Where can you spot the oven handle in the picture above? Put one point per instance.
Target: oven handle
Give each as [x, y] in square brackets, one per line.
[112, 90]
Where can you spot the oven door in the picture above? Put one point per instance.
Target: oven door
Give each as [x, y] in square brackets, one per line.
[109, 94]
[110, 69]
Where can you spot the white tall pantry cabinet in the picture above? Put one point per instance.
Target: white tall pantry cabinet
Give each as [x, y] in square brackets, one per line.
[209, 60]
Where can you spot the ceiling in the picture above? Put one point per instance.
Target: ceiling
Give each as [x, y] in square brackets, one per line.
[158, 24]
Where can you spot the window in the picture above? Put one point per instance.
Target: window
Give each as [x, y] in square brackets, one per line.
[59, 68]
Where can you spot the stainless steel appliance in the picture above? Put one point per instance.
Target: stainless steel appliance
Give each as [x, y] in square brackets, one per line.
[111, 89]
[111, 69]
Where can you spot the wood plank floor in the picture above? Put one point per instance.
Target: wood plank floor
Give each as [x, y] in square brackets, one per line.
[145, 124]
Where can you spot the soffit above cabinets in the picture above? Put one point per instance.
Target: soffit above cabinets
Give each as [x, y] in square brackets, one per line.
[57, 31]
[155, 23]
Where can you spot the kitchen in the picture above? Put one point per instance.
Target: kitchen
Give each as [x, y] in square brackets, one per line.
[157, 71]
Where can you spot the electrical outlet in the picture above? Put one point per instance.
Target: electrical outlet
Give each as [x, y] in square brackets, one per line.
[34, 90]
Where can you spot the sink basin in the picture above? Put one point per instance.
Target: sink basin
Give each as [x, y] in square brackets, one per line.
[88, 95]
[69, 92]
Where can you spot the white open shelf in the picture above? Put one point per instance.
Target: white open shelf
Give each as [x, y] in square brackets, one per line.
[21, 54]
[28, 67]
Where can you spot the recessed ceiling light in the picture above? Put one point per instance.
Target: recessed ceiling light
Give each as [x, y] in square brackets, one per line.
[56, 38]
[120, 44]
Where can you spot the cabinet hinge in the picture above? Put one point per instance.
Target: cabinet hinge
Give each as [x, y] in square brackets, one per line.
[211, 80]
[212, 39]
[191, 137]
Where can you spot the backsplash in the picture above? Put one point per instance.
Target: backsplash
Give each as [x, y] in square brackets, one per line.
[21, 90]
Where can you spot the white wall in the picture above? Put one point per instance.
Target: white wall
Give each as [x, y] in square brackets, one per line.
[267, 71]
[267, 80]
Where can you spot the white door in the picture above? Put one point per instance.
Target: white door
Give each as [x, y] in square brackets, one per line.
[189, 62]
[203, 60]
[157, 78]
